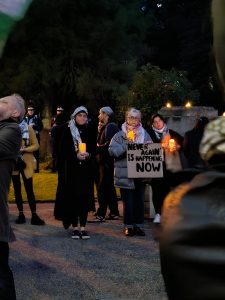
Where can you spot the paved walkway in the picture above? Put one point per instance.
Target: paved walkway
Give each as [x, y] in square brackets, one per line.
[49, 265]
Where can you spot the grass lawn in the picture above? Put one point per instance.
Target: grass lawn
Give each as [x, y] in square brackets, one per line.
[44, 183]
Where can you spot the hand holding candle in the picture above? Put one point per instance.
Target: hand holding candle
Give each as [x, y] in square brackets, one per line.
[130, 135]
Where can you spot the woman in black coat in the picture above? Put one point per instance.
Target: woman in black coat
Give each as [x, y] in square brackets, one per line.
[160, 133]
[75, 170]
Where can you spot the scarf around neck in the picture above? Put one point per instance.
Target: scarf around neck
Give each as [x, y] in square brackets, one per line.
[24, 131]
[160, 133]
[138, 130]
[75, 134]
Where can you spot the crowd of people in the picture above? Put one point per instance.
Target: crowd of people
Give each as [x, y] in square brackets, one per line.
[85, 156]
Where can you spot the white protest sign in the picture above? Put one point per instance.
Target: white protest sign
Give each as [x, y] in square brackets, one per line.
[144, 160]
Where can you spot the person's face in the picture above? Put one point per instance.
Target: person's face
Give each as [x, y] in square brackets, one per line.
[158, 123]
[58, 111]
[103, 117]
[81, 118]
[8, 108]
[133, 120]
[30, 111]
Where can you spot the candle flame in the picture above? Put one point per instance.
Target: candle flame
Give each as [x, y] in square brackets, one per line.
[188, 104]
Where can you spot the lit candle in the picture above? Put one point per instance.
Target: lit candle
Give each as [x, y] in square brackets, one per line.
[130, 135]
[82, 147]
[168, 104]
[171, 144]
[188, 104]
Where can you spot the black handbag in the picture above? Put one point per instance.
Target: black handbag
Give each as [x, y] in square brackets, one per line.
[20, 163]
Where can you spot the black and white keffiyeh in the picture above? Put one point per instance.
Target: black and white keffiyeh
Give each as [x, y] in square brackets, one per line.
[73, 128]
[24, 130]
[161, 133]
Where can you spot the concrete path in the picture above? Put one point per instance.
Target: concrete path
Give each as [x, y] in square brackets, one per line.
[49, 265]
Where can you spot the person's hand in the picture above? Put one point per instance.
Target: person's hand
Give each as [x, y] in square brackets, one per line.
[82, 155]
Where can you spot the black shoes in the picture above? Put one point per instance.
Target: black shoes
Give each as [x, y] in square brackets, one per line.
[134, 231]
[138, 231]
[36, 220]
[98, 219]
[112, 217]
[76, 235]
[84, 235]
[80, 235]
[128, 231]
[20, 219]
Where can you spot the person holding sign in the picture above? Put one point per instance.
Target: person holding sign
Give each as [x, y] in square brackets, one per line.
[76, 180]
[171, 142]
[132, 189]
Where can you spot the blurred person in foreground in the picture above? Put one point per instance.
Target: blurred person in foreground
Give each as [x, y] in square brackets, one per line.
[132, 189]
[192, 244]
[105, 186]
[75, 173]
[11, 112]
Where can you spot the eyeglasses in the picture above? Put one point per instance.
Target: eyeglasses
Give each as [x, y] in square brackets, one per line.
[30, 109]
[133, 118]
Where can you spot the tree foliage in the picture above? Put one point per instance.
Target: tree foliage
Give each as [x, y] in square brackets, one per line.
[152, 87]
[97, 52]
[74, 52]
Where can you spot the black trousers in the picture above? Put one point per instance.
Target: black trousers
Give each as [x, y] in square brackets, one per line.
[106, 191]
[7, 287]
[80, 217]
[28, 184]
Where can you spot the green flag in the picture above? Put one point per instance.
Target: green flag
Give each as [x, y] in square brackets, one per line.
[10, 12]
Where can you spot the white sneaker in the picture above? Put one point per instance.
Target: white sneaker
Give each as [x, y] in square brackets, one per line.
[157, 219]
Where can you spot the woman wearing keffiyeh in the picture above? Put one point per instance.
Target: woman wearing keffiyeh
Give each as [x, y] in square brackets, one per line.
[75, 171]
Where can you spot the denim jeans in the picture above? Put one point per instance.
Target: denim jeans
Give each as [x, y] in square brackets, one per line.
[133, 205]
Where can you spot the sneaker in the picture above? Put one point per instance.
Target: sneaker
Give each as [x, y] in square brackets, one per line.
[157, 219]
[76, 235]
[36, 220]
[112, 217]
[20, 219]
[99, 219]
[84, 235]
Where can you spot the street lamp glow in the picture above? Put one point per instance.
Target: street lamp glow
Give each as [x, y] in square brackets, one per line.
[188, 104]
[168, 105]
[223, 114]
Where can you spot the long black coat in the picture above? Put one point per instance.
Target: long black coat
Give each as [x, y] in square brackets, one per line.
[75, 178]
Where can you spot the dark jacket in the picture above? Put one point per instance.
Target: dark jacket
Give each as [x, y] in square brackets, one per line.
[36, 123]
[103, 139]
[10, 138]
[192, 247]
[191, 144]
[76, 178]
